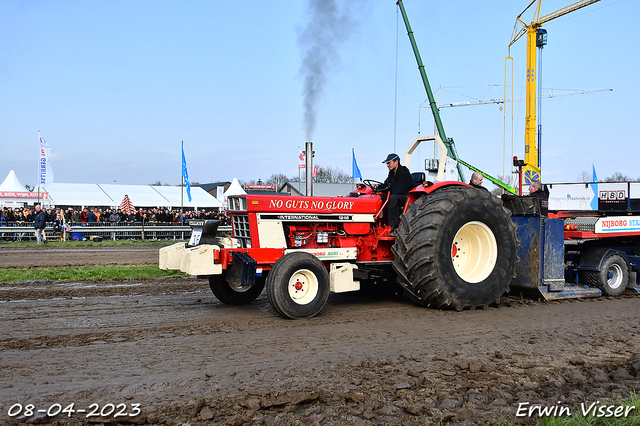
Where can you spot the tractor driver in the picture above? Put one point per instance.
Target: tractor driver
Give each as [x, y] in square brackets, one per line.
[398, 183]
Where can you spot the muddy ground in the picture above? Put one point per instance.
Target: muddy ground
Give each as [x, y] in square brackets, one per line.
[59, 257]
[169, 349]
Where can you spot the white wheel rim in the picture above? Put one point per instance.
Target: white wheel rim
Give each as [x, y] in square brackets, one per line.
[614, 276]
[474, 252]
[303, 286]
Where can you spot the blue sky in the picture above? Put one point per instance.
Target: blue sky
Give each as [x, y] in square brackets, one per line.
[115, 86]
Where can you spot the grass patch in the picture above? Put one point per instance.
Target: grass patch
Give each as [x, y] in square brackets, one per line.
[79, 273]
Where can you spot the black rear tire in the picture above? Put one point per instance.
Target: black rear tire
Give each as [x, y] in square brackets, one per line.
[298, 285]
[233, 294]
[456, 248]
[613, 277]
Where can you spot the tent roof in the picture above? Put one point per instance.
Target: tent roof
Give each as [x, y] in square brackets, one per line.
[199, 197]
[140, 195]
[12, 184]
[78, 194]
[234, 189]
[91, 194]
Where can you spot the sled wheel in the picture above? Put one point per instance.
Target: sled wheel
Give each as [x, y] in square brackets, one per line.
[233, 294]
[298, 285]
[455, 248]
[613, 277]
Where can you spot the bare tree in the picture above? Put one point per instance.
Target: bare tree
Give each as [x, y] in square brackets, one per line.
[332, 175]
[504, 179]
[585, 177]
[277, 179]
[325, 175]
[617, 177]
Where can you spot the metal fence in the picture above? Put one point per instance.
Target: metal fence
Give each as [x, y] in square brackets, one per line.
[112, 231]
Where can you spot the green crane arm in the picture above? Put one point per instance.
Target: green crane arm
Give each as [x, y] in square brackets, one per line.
[451, 147]
[495, 181]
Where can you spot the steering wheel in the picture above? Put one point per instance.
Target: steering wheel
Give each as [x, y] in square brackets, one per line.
[371, 183]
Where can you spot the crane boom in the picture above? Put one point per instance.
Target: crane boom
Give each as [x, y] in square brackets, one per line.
[567, 9]
[539, 21]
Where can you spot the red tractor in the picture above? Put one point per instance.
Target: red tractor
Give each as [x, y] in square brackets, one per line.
[455, 247]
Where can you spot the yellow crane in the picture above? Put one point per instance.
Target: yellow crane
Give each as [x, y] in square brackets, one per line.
[536, 38]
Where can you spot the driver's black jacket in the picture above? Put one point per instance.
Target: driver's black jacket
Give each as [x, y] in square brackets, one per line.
[400, 182]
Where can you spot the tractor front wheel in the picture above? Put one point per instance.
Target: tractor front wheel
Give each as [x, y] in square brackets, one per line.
[233, 294]
[455, 248]
[298, 285]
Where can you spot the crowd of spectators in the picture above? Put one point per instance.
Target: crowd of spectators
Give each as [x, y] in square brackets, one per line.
[72, 217]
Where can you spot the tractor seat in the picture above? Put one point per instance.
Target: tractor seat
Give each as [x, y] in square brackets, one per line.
[418, 177]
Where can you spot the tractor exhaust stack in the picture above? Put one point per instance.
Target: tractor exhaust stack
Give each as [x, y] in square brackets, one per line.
[308, 154]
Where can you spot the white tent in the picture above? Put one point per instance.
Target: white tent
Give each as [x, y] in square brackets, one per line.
[234, 189]
[14, 194]
[111, 195]
[12, 184]
[77, 194]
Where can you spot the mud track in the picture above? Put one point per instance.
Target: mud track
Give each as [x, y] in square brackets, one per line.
[171, 347]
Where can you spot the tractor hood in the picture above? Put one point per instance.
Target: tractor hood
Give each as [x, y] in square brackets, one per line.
[368, 204]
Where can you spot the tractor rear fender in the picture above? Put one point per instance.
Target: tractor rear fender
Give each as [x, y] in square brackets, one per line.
[422, 190]
[593, 259]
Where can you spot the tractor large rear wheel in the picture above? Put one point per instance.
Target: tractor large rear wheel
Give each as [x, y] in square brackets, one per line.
[456, 248]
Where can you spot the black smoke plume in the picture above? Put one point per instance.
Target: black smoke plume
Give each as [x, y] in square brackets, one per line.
[319, 42]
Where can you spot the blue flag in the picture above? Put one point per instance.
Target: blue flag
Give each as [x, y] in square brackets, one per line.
[186, 175]
[595, 177]
[355, 171]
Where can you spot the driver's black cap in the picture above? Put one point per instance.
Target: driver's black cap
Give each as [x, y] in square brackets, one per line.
[391, 157]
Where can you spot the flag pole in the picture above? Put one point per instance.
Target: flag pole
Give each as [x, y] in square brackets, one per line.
[353, 179]
[182, 189]
[299, 178]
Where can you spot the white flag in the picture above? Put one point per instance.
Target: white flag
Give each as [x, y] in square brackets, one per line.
[45, 171]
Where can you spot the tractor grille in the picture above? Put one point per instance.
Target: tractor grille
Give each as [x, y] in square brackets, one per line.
[241, 230]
